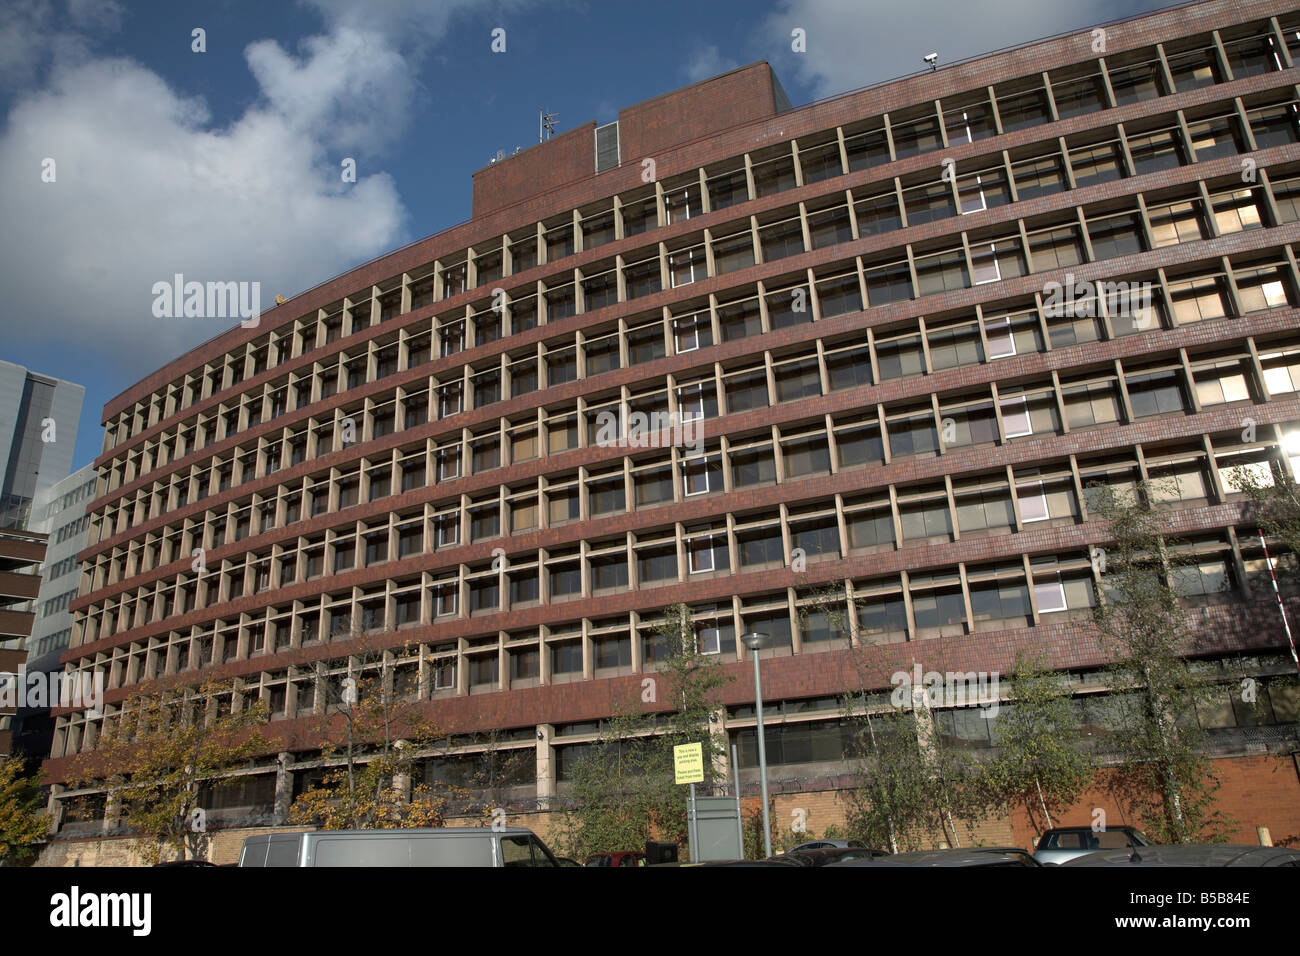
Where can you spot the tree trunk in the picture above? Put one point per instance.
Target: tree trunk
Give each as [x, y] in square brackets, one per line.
[1042, 802]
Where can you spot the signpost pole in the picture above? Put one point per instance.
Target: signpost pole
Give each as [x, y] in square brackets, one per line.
[693, 827]
[735, 788]
[688, 767]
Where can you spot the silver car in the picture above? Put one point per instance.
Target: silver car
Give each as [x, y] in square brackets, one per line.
[1061, 844]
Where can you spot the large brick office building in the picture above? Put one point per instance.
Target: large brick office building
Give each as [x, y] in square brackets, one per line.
[877, 373]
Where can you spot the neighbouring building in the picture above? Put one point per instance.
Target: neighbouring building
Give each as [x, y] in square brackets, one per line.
[21, 554]
[60, 513]
[37, 442]
[874, 322]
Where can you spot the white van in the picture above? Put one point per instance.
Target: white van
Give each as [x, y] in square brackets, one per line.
[448, 846]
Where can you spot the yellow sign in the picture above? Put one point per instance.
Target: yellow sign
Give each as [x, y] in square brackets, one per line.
[688, 763]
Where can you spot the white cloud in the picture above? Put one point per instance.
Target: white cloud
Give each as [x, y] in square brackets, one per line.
[851, 44]
[148, 186]
[705, 62]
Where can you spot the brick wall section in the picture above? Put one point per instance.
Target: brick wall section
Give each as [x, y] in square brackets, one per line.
[567, 157]
[1255, 791]
[742, 96]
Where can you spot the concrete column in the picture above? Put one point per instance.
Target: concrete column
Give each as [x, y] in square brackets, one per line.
[545, 766]
[283, 787]
[112, 813]
[54, 807]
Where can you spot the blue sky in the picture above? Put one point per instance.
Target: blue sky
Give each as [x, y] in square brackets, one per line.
[225, 164]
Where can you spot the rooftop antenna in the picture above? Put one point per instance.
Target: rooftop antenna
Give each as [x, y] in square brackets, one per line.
[545, 125]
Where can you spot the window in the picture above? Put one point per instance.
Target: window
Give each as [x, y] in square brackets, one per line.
[1015, 417]
[1281, 371]
[866, 149]
[1221, 382]
[728, 189]
[878, 214]
[870, 530]
[695, 476]
[1193, 69]
[1197, 300]
[1032, 501]
[731, 253]
[1177, 222]
[781, 240]
[1091, 404]
[1116, 236]
[1157, 393]
[1261, 289]
[954, 345]
[1155, 151]
[997, 260]
[1236, 211]
[1275, 125]
[444, 673]
[1214, 138]
[942, 611]
[997, 333]
[691, 332]
[1076, 96]
[1096, 164]
[448, 463]
[1135, 81]
[900, 356]
[929, 203]
[1039, 177]
[913, 434]
[942, 272]
[448, 529]
[774, 175]
[1055, 248]
[849, 368]
[916, 136]
[926, 520]
[1049, 595]
[681, 203]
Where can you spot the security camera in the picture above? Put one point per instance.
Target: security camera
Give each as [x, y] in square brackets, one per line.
[931, 58]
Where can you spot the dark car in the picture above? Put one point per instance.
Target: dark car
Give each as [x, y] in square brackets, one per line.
[978, 856]
[824, 856]
[829, 844]
[1191, 854]
[1062, 844]
[185, 863]
[618, 858]
[782, 860]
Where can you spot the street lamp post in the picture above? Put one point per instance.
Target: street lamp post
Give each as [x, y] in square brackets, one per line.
[754, 641]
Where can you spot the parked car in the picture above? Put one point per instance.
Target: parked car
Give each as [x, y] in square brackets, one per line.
[828, 844]
[770, 861]
[978, 856]
[618, 858]
[1191, 854]
[824, 856]
[447, 846]
[185, 863]
[1062, 844]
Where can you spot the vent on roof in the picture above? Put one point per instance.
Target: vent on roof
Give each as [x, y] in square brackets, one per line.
[607, 146]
